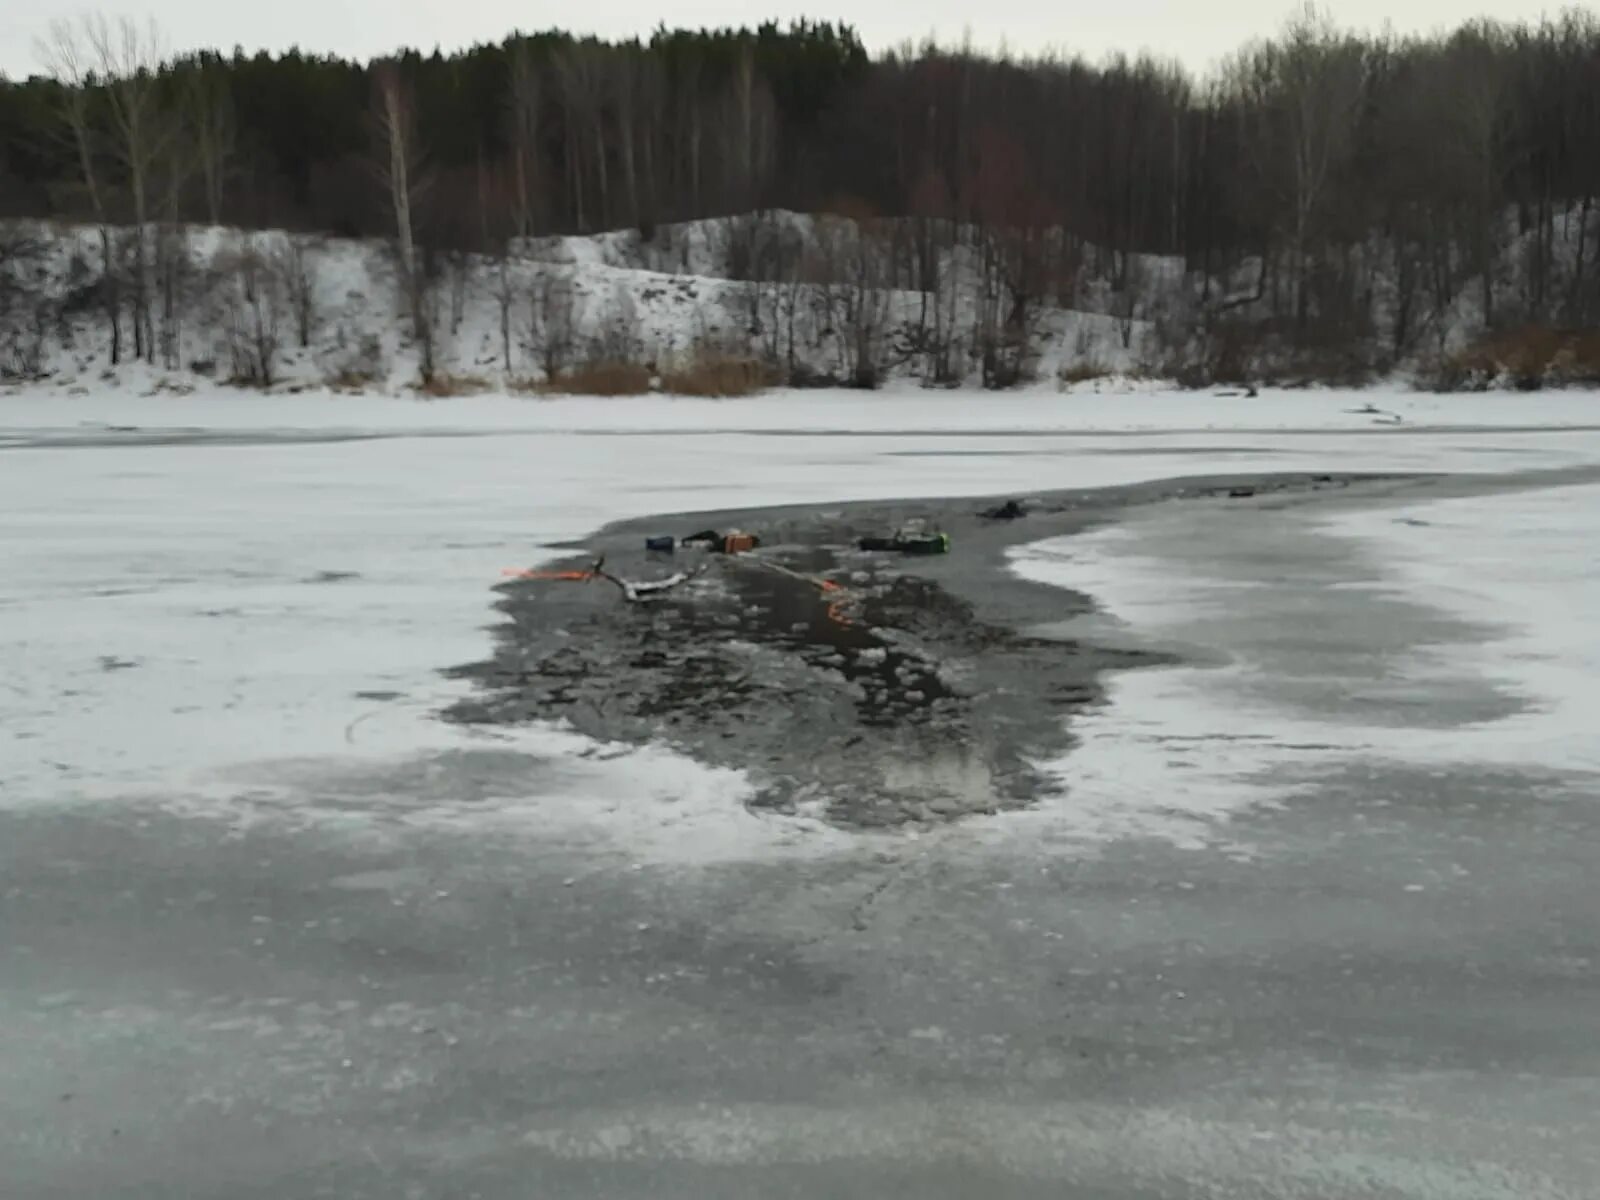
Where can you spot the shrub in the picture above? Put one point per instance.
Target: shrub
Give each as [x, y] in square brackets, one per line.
[600, 378]
[1082, 370]
[1527, 358]
[442, 385]
[349, 379]
[719, 375]
[802, 375]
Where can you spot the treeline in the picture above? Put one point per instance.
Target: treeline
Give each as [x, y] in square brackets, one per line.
[574, 135]
[1330, 189]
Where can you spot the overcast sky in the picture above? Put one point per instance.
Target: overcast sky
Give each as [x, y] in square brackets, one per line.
[1196, 33]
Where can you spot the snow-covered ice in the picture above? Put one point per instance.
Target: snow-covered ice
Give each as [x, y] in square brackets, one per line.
[195, 621]
[894, 411]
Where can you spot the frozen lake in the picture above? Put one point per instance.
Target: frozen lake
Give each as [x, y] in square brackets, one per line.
[1315, 917]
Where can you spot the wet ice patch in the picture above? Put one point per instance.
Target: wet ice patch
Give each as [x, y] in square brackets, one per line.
[1527, 566]
[1454, 631]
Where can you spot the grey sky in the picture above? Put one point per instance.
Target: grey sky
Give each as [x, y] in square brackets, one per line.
[1196, 33]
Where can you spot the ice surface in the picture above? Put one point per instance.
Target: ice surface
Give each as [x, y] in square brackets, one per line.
[1453, 632]
[204, 624]
[892, 412]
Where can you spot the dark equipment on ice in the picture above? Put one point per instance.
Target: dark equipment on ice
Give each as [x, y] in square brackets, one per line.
[909, 543]
[1009, 511]
[732, 542]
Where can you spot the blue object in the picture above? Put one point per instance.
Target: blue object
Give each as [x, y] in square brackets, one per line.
[665, 544]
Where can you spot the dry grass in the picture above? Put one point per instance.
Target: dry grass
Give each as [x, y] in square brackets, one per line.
[1578, 359]
[719, 375]
[600, 379]
[443, 385]
[349, 379]
[1528, 358]
[1083, 370]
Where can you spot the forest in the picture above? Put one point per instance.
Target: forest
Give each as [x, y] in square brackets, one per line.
[1344, 198]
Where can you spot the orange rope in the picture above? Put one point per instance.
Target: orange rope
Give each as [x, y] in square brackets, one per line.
[524, 573]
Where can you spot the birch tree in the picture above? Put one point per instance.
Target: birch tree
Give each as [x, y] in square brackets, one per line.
[211, 132]
[401, 170]
[127, 58]
[66, 56]
[523, 100]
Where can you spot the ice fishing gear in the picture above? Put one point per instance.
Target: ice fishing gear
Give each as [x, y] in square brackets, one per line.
[1009, 511]
[909, 543]
[633, 590]
[584, 576]
[528, 573]
[638, 591]
[834, 593]
[733, 542]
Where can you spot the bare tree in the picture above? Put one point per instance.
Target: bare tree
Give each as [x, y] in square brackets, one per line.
[500, 199]
[1304, 95]
[625, 94]
[1013, 258]
[127, 59]
[750, 132]
[616, 331]
[744, 101]
[505, 296]
[173, 265]
[935, 276]
[458, 270]
[298, 274]
[403, 178]
[791, 307]
[1476, 87]
[691, 130]
[553, 321]
[524, 100]
[24, 311]
[1129, 301]
[852, 296]
[581, 70]
[67, 58]
[211, 130]
[255, 310]
[649, 94]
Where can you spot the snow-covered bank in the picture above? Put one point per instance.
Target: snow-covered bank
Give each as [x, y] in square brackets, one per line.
[295, 311]
[1438, 634]
[819, 411]
[279, 308]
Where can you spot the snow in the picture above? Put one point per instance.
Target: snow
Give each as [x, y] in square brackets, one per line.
[206, 623]
[827, 410]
